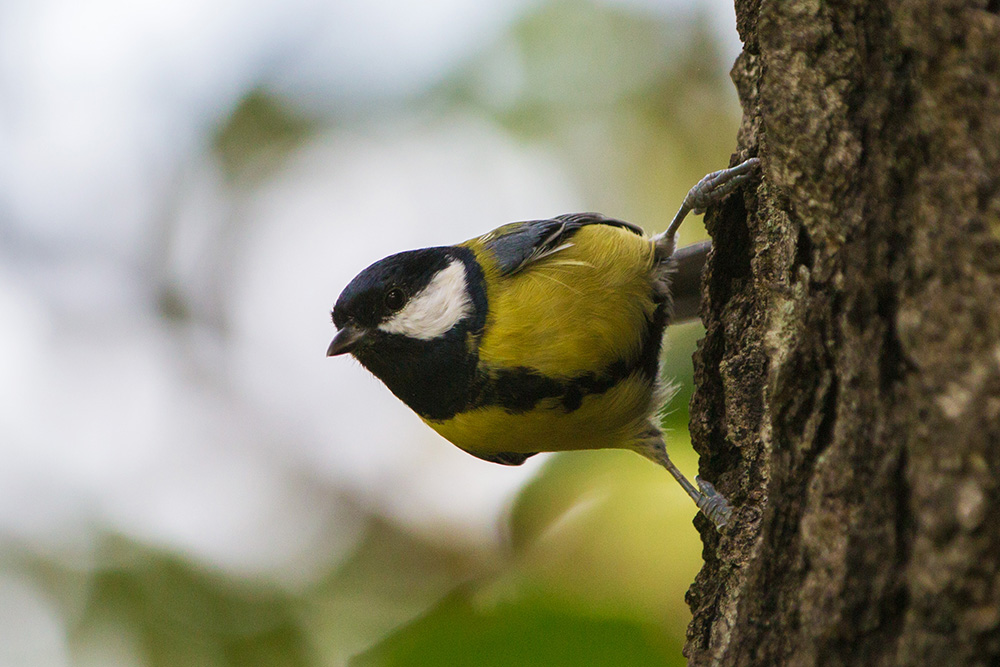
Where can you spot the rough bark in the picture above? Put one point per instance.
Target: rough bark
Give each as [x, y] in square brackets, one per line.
[848, 397]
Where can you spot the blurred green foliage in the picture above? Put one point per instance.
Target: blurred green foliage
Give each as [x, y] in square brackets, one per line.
[259, 132]
[169, 613]
[638, 107]
[541, 631]
[600, 547]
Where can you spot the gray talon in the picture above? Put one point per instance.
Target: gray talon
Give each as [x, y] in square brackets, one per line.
[711, 189]
[715, 186]
[713, 504]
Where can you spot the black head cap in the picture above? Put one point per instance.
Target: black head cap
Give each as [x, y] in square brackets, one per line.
[423, 353]
[384, 288]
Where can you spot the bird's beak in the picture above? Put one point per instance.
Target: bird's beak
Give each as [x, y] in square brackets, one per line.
[346, 340]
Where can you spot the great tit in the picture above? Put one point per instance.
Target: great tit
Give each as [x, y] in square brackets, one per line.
[539, 336]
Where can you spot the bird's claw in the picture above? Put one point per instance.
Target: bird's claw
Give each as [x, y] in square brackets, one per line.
[715, 186]
[713, 504]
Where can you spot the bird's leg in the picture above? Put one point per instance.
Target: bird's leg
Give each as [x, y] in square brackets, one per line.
[709, 190]
[686, 290]
[711, 503]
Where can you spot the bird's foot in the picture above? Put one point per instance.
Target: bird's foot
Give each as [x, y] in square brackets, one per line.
[709, 190]
[715, 186]
[713, 504]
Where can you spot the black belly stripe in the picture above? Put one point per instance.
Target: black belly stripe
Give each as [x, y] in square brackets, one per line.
[518, 390]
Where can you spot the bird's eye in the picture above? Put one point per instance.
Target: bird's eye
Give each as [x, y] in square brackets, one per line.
[395, 299]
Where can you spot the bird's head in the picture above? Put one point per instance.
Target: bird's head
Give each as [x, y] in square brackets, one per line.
[419, 295]
[410, 319]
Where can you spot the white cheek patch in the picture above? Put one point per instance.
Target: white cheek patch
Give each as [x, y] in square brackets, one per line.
[436, 309]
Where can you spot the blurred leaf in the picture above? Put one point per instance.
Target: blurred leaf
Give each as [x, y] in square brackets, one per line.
[391, 578]
[460, 633]
[680, 342]
[261, 131]
[180, 615]
[611, 529]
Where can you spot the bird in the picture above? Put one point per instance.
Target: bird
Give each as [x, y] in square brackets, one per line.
[539, 336]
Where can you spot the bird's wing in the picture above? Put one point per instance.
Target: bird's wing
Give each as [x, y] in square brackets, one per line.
[519, 244]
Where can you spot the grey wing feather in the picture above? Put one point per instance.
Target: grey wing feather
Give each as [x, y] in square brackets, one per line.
[519, 244]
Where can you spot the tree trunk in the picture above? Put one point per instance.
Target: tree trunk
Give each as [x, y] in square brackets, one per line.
[848, 398]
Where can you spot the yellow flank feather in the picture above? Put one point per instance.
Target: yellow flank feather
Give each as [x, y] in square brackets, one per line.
[612, 266]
